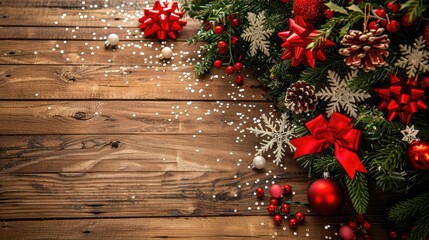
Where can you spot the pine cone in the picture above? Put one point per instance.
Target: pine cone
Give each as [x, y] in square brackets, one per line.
[301, 97]
[365, 49]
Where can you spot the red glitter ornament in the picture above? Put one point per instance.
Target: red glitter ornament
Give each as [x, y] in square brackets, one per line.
[310, 10]
[325, 196]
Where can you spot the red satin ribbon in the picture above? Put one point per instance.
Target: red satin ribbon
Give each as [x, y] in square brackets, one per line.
[338, 131]
[401, 98]
[300, 34]
[164, 19]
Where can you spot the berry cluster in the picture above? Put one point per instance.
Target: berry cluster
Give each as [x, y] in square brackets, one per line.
[356, 229]
[279, 208]
[225, 31]
[386, 18]
[395, 235]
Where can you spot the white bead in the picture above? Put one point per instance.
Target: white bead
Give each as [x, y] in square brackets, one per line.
[259, 162]
[112, 40]
[166, 53]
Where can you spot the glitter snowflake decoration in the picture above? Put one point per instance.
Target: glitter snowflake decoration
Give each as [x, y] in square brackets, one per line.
[276, 133]
[256, 34]
[410, 134]
[340, 96]
[414, 58]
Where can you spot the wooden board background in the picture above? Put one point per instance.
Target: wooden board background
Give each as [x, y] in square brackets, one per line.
[102, 144]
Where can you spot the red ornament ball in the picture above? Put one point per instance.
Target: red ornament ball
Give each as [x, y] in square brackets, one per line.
[285, 208]
[217, 64]
[407, 21]
[278, 219]
[230, 70]
[274, 201]
[418, 155]
[310, 10]
[329, 14]
[393, 235]
[393, 26]
[325, 196]
[239, 80]
[299, 217]
[260, 193]
[346, 233]
[287, 189]
[292, 223]
[276, 191]
[271, 208]
[218, 30]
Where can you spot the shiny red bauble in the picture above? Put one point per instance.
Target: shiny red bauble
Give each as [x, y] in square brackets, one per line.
[222, 45]
[276, 191]
[418, 155]
[292, 223]
[272, 208]
[325, 196]
[346, 233]
[239, 80]
[393, 26]
[260, 193]
[218, 29]
[287, 189]
[238, 66]
[299, 217]
[230, 70]
[217, 64]
[274, 201]
[278, 219]
[285, 208]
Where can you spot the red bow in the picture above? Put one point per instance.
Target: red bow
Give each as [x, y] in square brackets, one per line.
[297, 39]
[338, 131]
[164, 19]
[403, 98]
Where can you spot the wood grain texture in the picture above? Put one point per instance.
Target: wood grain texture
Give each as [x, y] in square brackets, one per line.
[251, 227]
[130, 117]
[118, 82]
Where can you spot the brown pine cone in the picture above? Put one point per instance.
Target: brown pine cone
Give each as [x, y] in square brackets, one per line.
[365, 50]
[301, 97]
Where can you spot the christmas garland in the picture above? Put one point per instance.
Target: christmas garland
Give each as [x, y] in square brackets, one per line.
[351, 79]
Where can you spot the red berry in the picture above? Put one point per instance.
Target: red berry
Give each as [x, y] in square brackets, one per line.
[405, 236]
[366, 236]
[278, 219]
[222, 45]
[218, 29]
[393, 235]
[259, 191]
[222, 51]
[407, 21]
[234, 40]
[299, 217]
[425, 82]
[239, 80]
[380, 12]
[393, 26]
[287, 189]
[230, 70]
[352, 224]
[393, 6]
[235, 22]
[217, 64]
[274, 201]
[329, 14]
[292, 223]
[285, 208]
[374, 24]
[384, 23]
[271, 208]
[238, 66]
[366, 225]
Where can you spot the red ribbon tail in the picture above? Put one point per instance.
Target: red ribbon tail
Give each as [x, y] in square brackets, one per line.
[349, 160]
[308, 145]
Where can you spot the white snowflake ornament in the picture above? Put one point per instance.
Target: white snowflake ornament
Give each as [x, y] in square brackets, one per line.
[410, 134]
[256, 34]
[276, 133]
[340, 96]
[414, 58]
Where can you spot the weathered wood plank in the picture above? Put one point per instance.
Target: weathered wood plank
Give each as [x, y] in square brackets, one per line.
[135, 194]
[73, 4]
[124, 117]
[124, 153]
[60, 17]
[85, 33]
[93, 52]
[117, 82]
[254, 227]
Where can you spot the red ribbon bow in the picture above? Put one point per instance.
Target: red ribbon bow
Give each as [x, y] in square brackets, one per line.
[338, 131]
[164, 19]
[297, 39]
[402, 98]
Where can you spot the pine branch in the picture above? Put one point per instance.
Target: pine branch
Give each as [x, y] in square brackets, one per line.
[358, 192]
[366, 80]
[421, 227]
[317, 75]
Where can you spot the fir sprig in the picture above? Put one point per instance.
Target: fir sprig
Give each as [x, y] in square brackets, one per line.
[358, 192]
